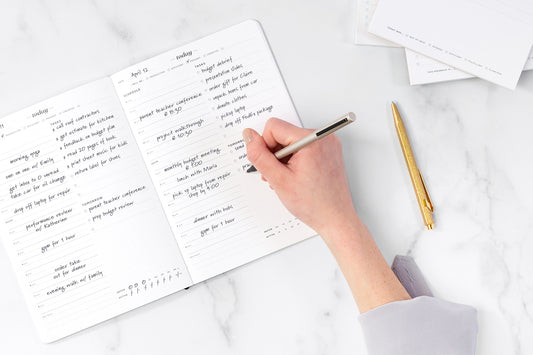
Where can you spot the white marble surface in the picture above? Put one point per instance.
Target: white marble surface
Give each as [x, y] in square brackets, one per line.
[472, 140]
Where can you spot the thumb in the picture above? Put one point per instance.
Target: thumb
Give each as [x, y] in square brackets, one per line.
[263, 159]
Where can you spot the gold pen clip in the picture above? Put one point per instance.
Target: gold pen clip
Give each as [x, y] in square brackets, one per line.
[426, 192]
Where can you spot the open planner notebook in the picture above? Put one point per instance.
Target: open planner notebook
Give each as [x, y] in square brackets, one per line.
[133, 187]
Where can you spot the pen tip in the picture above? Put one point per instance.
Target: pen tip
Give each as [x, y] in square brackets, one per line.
[251, 169]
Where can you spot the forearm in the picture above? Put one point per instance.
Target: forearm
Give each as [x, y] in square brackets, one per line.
[369, 277]
[313, 185]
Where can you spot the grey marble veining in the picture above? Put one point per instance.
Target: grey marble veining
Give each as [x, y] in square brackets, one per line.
[472, 140]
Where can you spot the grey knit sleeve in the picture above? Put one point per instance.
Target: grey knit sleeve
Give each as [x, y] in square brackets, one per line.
[422, 325]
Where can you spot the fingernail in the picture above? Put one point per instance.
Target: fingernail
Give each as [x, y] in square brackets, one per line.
[247, 135]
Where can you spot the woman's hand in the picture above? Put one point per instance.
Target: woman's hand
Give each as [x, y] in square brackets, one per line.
[312, 183]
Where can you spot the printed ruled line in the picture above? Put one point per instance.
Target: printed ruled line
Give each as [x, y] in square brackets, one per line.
[217, 146]
[39, 271]
[31, 161]
[221, 240]
[48, 167]
[214, 158]
[129, 216]
[47, 233]
[208, 221]
[180, 123]
[109, 181]
[224, 228]
[238, 246]
[48, 236]
[260, 93]
[78, 299]
[166, 93]
[204, 175]
[78, 309]
[36, 195]
[73, 291]
[67, 198]
[92, 311]
[197, 131]
[169, 118]
[49, 274]
[226, 251]
[51, 252]
[262, 102]
[194, 129]
[206, 198]
[204, 211]
[63, 281]
[56, 299]
[201, 140]
[23, 150]
[56, 259]
[51, 214]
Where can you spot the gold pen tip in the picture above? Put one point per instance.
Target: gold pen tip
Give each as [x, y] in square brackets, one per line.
[430, 226]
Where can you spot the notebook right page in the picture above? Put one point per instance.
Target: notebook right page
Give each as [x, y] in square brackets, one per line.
[187, 109]
[486, 38]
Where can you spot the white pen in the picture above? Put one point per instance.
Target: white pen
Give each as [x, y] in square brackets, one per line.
[316, 135]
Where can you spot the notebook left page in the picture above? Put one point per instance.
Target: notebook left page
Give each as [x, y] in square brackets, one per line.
[80, 218]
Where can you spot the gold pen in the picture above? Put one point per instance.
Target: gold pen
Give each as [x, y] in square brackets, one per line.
[422, 196]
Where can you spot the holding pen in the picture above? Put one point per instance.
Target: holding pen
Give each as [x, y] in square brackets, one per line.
[316, 135]
[313, 186]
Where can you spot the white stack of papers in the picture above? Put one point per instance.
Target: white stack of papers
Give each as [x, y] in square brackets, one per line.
[365, 11]
[456, 39]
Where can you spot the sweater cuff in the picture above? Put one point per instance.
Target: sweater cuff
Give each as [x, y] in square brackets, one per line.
[422, 325]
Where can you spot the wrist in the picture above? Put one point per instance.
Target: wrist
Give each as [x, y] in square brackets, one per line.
[369, 276]
[342, 228]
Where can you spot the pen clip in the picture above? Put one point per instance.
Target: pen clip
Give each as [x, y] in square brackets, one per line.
[430, 206]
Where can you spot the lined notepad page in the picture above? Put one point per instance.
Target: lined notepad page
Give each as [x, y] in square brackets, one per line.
[80, 218]
[424, 70]
[187, 108]
[489, 39]
[365, 11]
